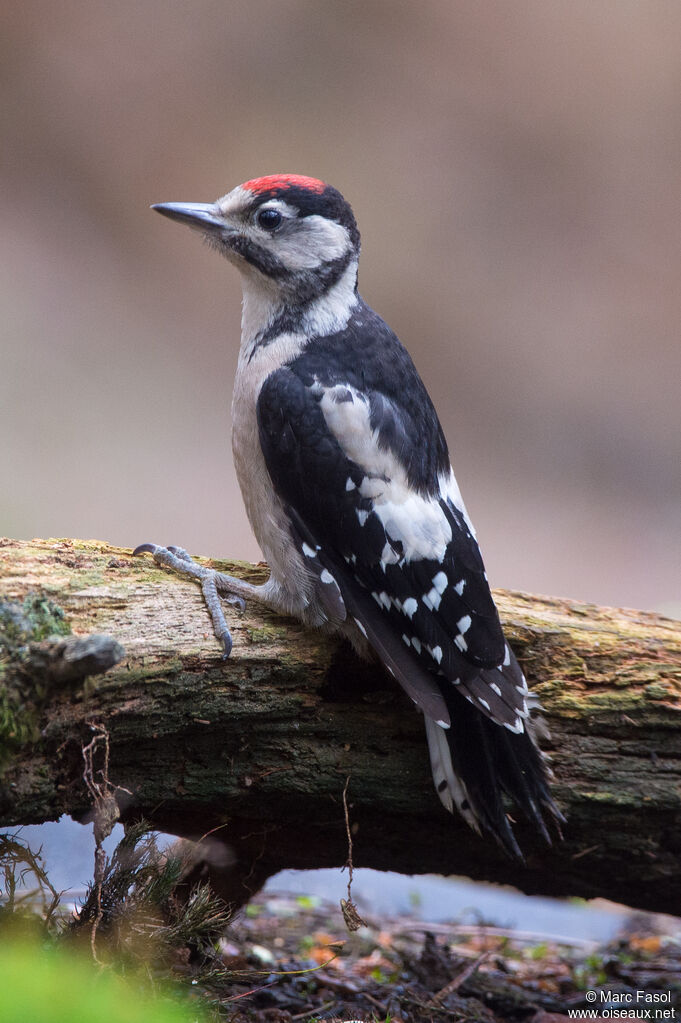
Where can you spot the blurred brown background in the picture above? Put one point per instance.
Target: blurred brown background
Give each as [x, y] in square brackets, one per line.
[515, 170]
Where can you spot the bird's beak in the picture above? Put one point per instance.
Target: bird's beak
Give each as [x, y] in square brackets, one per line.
[199, 215]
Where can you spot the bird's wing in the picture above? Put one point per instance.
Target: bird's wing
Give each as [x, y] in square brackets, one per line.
[404, 557]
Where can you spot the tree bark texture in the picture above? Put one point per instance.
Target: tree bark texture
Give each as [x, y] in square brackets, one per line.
[260, 746]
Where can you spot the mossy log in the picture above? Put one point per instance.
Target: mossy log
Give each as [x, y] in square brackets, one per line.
[260, 746]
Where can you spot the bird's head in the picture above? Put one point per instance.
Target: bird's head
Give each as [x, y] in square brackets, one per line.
[286, 233]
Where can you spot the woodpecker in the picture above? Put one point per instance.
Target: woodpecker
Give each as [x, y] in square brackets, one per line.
[345, 475]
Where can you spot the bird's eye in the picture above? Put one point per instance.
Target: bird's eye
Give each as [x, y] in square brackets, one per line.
[269, 219]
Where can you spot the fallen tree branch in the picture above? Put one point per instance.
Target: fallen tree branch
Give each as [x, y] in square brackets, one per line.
[260, 745]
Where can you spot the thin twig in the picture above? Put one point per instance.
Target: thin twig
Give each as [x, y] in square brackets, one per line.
[106, 813]
[457, 981]
[353, 921]
[349, 834]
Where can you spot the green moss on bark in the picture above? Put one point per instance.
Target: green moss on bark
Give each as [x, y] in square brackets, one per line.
[34, 619]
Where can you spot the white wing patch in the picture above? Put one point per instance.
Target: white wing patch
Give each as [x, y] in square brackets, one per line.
[417, 522]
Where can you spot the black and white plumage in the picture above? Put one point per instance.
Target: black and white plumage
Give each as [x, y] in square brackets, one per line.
[346, 479]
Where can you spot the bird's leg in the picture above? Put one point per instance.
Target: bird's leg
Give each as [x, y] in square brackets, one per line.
[214, 586]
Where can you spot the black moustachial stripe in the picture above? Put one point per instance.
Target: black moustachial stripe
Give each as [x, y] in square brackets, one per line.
[310, 285]
[259, 257]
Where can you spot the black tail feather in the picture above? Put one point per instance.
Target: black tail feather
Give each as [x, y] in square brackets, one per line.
[491, 762]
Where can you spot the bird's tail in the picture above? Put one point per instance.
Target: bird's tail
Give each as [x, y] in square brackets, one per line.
[476, 762]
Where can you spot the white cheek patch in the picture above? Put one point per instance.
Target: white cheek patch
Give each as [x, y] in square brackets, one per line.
[314, 241]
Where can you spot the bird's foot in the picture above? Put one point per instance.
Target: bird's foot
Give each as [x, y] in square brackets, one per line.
[215, 586]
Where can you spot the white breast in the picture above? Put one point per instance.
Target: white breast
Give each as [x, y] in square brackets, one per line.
[263, 507]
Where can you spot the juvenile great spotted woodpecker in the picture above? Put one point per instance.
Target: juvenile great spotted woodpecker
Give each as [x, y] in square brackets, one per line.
[345, 474]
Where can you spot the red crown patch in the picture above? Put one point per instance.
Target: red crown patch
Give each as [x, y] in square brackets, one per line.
[274, 182]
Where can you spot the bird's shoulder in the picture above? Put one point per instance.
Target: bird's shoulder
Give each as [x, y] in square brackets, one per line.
[364, 376]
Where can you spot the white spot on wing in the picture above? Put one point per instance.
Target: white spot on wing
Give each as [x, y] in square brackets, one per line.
[360, 627]
[362, 516]
[416, 643]
[308, 551]
[372, 487]
[464, 624]
[326, 577]
[432, 598]
[410, 606]
[388, 555]
[349, 485]
[459, 586]
[440, 582]
[461, 643]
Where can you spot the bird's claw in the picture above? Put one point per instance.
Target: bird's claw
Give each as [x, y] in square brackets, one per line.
[235, 600]
[145, 548]
[180, 561]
